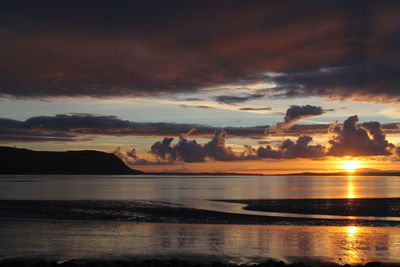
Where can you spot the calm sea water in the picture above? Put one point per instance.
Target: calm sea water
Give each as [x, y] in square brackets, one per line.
[95, 187]
[234, 243]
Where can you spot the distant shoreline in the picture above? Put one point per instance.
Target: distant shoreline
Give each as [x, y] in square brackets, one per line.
[137, 173]
[380, 173]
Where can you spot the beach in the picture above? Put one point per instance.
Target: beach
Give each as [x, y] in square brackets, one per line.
[171, 212]
[150, 220]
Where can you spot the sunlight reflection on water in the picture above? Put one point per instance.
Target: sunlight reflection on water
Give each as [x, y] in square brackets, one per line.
[234, 243]
[152, 187]
[350, 188]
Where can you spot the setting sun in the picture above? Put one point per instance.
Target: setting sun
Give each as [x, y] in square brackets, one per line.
[351, 165]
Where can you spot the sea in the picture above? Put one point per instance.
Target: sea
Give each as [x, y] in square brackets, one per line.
[234, 243]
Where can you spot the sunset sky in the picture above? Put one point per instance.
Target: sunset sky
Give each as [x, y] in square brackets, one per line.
[195, 86]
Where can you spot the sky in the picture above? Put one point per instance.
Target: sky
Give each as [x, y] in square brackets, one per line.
[205, 86]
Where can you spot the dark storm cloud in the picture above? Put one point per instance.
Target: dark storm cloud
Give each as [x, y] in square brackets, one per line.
[42, 137]
[164, 150]
[255, 109]
[78, 127]
[354, 139]
[228, 99]
[293, 114]
[193, 99]
[17, 131]
[349, 139]
[216, 149]
[130, 158]
[197, 106]
[191, 151]
[101, 48]
[368, 81]
[289, 149]
[71, 126]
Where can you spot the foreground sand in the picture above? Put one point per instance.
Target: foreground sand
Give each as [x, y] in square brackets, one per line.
[378, 207]
[153, 211]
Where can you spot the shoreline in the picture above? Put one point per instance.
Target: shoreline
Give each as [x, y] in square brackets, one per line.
[154, 212]
[363, 207]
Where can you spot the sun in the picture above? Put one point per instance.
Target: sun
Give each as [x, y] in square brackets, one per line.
[351, 165]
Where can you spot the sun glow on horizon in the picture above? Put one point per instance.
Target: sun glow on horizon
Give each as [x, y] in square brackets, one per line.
[351, 165]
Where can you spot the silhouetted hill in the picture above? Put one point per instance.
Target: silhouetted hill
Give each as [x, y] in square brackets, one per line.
[24, 161]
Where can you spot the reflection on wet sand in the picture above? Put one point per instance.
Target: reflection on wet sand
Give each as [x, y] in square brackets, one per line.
[358, 242]
[234, 243]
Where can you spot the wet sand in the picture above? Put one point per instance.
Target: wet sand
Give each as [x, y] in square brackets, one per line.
[377, 207]
[162, 212]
